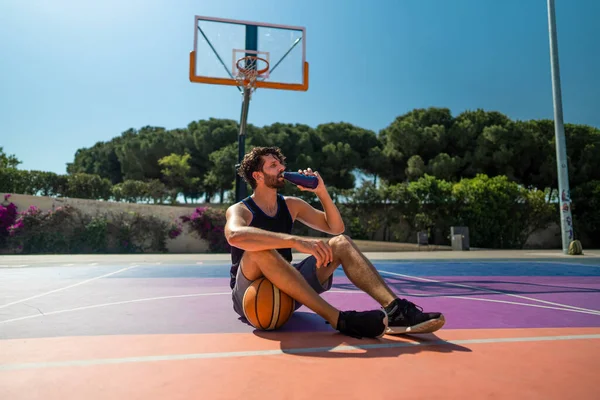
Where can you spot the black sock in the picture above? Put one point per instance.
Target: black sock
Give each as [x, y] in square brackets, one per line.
[392, 308]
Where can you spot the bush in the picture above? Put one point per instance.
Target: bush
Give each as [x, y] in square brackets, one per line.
[209, 224]
[435, 210]
[586, 213]
[38, 232]
[66, 230]
[8, 217]
[133, 191]
[500, 213]
[132, 232]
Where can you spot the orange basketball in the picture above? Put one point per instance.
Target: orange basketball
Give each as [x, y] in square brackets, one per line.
[265, 306]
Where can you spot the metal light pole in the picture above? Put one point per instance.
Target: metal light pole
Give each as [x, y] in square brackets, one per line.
[566, 220]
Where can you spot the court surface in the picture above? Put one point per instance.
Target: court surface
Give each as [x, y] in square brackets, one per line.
[164, 328]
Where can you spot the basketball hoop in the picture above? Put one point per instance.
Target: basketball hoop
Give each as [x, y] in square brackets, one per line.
[248, 72]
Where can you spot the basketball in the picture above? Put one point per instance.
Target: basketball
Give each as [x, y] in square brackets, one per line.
[265, 306]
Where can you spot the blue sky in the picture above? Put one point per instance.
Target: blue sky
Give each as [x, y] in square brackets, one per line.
[77, 72]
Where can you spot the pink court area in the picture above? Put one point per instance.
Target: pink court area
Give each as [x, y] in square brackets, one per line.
[533, 363]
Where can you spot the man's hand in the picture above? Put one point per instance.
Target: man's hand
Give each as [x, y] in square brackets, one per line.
[329, 220]
[320, 187]
[321, 250]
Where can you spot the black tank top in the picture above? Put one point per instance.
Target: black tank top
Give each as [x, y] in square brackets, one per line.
[281, 222]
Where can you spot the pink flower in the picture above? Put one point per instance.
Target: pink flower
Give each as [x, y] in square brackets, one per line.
[13, 229]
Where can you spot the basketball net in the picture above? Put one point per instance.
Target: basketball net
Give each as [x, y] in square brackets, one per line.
[248, 73]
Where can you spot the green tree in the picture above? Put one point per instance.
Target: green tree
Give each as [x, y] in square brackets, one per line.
[8, 161]
[415, 168]
[176, 172]
[139, 154]
[101, 159]
[419, 132]
[219, 178]
[88, 186]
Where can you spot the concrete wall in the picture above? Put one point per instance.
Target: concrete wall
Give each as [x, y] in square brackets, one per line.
[184, 243]
[549, 238]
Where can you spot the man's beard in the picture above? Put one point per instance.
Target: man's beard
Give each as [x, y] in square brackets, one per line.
[273, 182]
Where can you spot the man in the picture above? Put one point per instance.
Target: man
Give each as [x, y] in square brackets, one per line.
[259, 230]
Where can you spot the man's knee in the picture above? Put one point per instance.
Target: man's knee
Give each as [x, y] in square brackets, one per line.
[342, 247]
[252, 260]
[340, 242]
[259, 255]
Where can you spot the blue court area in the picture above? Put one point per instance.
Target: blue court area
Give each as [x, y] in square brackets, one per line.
[414, 268]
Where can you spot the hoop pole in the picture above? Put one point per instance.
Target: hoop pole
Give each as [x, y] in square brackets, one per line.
[241, 191]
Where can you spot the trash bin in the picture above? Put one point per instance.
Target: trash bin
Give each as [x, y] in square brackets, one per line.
[422, 238]
[460, 238]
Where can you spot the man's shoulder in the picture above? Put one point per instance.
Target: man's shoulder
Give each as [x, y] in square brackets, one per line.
[237, 208]
[288, 197]
[290, 200]
[295, 205]
[293, 199]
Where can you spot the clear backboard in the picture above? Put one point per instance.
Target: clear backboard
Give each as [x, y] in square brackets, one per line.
[225, 49]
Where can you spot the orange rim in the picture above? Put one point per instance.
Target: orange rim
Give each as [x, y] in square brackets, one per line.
[260, 71]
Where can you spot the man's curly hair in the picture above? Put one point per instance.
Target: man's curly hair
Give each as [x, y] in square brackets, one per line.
[253, 161]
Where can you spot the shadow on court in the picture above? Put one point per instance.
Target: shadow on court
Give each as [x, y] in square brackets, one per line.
[318, 339]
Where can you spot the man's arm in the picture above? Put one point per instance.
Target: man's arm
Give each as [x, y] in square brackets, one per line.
[249, 238]
[329, 220]
[242, 236]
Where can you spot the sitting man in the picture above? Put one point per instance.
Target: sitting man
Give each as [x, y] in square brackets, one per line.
[259, 230]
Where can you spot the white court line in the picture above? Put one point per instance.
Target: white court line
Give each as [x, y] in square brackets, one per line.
[449, 295]
[116, 303]
[529, 263]
[524, 304]
[569, 264]
[276, 352]
[597, 312]
[67, 287]
[38, 315]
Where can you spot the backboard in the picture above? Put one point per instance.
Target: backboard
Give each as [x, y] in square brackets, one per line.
[221, 44]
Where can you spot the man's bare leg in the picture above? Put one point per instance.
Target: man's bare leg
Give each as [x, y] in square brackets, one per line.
[276, 269]
[403, 315]
[358, 269]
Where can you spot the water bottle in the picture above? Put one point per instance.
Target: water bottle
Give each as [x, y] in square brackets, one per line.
[301, 180]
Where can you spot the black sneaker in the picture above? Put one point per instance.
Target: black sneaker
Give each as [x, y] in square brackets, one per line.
[407, 317]
[371, 324]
